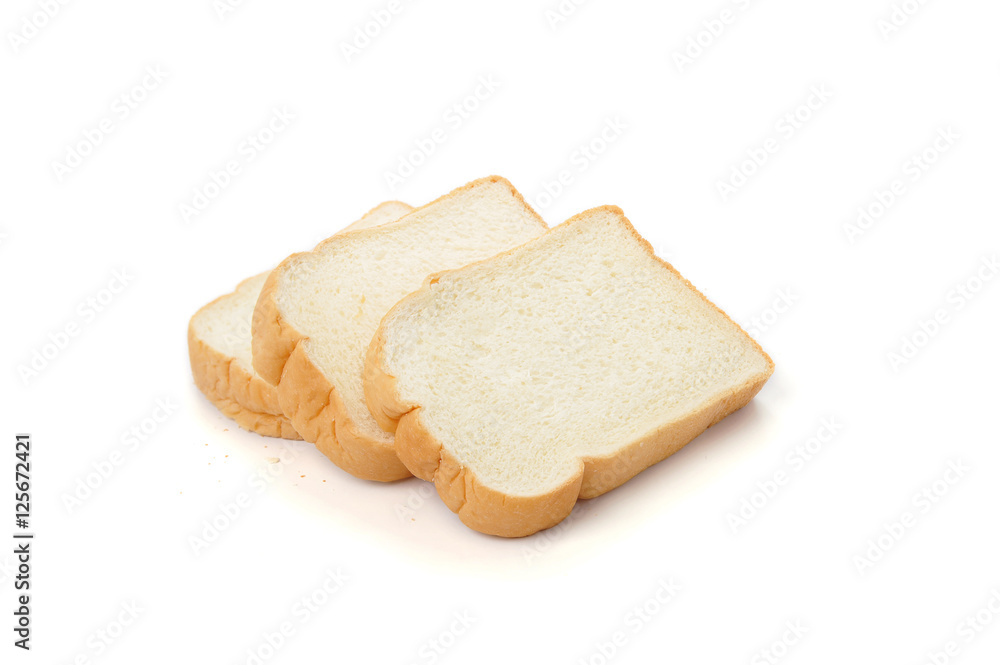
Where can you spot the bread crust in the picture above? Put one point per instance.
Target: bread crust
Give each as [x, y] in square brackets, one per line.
[237, 393]
[307, 397]
[304, 394]
[312, 405]
[491, 511]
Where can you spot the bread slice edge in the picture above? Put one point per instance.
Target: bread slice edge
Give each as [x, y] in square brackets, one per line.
[237, 393]
[307, 399]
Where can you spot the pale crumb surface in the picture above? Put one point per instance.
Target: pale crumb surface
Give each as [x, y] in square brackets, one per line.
[571, 346]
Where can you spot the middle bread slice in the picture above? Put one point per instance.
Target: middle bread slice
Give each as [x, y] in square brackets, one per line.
[318, 311]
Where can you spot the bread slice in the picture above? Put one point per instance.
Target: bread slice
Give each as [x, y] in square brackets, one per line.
[318, 311]
[552, 372]
[219, 349]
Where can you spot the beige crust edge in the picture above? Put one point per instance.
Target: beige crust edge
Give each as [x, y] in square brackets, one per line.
[219, 378]
[309, 400]
[493, 512]
[305, 395]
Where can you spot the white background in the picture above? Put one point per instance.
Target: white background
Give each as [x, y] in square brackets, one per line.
[560, 596]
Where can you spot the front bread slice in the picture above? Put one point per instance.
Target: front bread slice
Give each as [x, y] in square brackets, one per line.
[318, 311]
[552, 372]
[220, 351]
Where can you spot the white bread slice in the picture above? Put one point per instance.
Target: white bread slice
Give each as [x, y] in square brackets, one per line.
[219, 349]
[318, 311]
[552, 372]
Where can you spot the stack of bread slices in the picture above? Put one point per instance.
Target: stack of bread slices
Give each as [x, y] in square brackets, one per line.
[518, 368]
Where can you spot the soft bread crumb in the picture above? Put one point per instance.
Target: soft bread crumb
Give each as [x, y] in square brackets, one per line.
[570, 348]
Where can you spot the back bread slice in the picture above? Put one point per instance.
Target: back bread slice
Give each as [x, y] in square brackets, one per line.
[552, 372]
[218, 346]
[220, 352]
[318, 311]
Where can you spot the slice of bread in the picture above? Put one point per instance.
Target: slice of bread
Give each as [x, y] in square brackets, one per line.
[219, 349]
[318, 311]
[552, 372]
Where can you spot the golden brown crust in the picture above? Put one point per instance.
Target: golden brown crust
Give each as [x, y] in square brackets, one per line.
[312, 403]
[312, 406]
[222, 380]
[307, 398]
[478, 506]
[381, 400]
[491, 511]
[603, 474]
